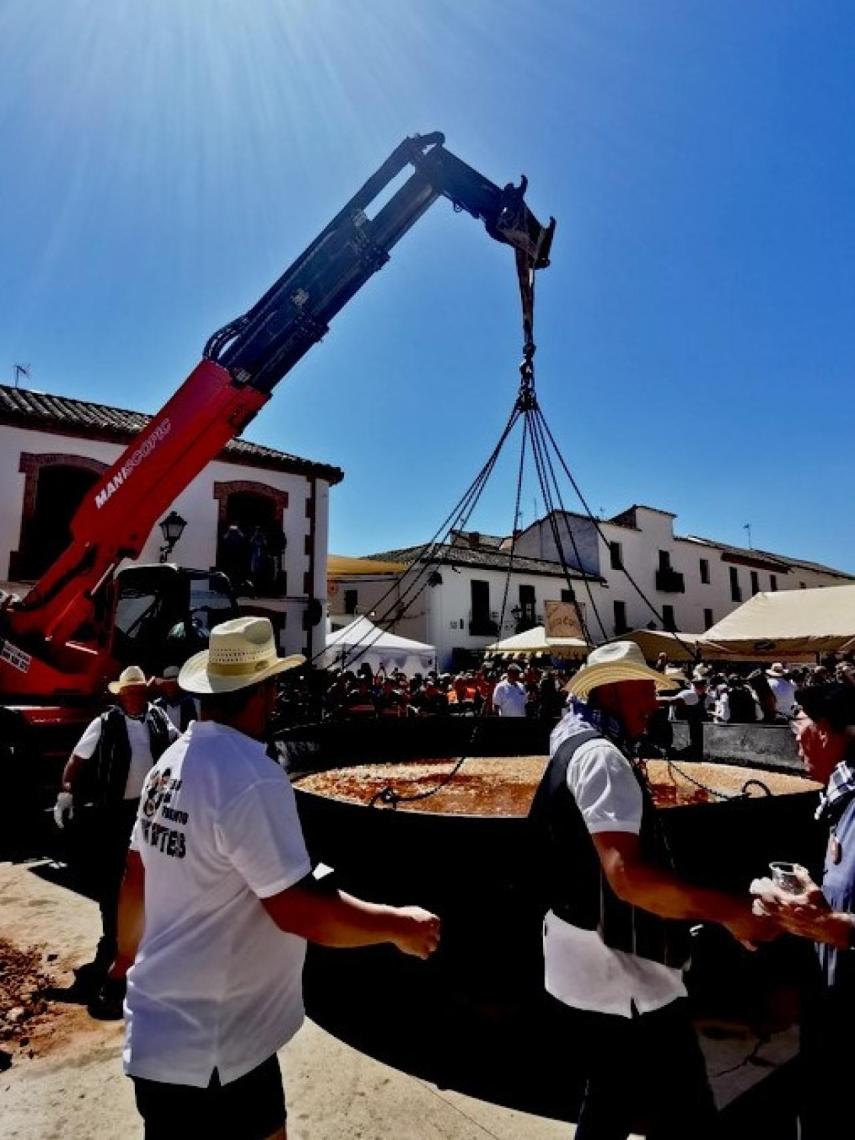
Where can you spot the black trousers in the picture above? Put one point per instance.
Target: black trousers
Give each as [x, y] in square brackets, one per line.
[646, 1074]
[108, 834]
[250, 1108]
[827, 1064]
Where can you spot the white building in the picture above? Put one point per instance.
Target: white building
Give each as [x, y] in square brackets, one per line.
[688, 583]
[462, 600]
[53, 449]
[691, 582]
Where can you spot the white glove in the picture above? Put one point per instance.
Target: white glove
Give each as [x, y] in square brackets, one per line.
[63, 809]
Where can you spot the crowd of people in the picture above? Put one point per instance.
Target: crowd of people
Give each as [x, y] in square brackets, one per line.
[252, 556]
[184, 800]
[514, 689]
[756, 696]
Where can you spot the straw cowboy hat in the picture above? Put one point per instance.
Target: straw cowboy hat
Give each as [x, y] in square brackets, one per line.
[133, 675]
[779, 669]
[617, 661]
[241, 652]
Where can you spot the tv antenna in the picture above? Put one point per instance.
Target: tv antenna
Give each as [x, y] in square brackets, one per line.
[21, 370]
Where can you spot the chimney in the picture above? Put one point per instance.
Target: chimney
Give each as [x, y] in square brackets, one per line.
[474, 537]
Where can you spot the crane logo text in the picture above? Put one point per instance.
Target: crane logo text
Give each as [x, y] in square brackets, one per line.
[132, 462]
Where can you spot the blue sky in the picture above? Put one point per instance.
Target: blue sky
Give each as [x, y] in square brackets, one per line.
[163, 162]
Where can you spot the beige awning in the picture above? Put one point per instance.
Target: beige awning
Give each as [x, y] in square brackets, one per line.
[678, 646]
[340, 566]
[788, 623]
[535, 641]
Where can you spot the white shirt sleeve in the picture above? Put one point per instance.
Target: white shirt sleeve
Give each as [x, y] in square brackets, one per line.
[88, 742]
[605, 789]
[260, 834]
[688, 697]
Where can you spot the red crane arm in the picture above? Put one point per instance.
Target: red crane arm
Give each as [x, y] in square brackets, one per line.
[117, 515]
[59, 632]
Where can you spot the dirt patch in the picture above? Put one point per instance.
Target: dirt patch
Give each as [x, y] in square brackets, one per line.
[26, 977]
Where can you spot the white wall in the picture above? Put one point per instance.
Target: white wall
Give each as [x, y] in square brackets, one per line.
[640, 548]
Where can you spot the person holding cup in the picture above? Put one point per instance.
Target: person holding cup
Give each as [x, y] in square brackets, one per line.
[824, 726]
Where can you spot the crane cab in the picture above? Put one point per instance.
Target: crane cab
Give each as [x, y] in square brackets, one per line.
[164, 613]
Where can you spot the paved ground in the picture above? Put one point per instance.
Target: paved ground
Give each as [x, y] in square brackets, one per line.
[72, 1086]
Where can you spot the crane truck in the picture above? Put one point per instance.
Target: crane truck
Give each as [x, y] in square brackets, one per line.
[88, 615]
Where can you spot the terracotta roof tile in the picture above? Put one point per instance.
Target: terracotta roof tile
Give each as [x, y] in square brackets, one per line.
[479, 556]
[45, 411]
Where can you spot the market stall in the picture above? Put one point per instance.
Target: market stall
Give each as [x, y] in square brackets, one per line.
[788, 625]
[533, 641]
[678, 646]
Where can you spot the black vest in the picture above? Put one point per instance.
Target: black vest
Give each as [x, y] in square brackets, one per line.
[186, 710]
[112, 759]
[577, 889]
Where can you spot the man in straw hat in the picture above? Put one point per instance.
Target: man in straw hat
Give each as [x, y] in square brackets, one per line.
[218, 902]
[616, 935]
[783, 688]
[107, 770]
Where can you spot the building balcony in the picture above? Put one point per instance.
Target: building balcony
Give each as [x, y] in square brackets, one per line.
[670, 582]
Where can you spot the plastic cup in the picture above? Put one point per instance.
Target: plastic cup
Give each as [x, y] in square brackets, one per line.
[785, 878]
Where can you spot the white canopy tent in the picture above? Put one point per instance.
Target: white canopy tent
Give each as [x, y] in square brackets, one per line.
[535, 641]
[788, 624]
[362, 641]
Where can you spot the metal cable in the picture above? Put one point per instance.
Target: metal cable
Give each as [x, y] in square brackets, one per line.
[650, 605]
[541, 458]
[512, 551]
[426, 557]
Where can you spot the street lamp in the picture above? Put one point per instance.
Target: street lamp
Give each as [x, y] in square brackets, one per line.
[172, 527]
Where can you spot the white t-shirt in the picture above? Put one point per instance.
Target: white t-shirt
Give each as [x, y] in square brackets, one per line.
[141, 757]
[216, 984]
[785, 694]
[721, 713]
[689, 697]
[580, 970]
[510, 698]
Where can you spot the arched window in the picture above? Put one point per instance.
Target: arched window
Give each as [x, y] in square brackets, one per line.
[251, 536]
[54, 488]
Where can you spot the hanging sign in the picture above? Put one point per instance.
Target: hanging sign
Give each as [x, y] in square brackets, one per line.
[562, 620]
